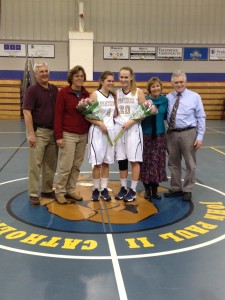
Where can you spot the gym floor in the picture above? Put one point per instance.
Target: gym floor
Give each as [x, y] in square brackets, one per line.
[165, 250]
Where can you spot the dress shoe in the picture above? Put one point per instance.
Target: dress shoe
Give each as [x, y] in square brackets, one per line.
[48, 195]
[173, 193]
[60, 199]
[74, 196]
[147, 194]
[155, 194]
[34, 200]
[187, 196]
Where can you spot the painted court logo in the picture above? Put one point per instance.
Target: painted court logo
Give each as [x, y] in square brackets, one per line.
[141, 227]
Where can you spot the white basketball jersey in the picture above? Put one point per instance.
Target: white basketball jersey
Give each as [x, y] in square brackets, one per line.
[107, 107]
[126, 104]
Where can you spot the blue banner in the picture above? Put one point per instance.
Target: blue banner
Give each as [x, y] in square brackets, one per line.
[196, 53]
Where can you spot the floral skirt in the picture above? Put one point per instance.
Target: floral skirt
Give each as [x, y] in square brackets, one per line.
[153, 168]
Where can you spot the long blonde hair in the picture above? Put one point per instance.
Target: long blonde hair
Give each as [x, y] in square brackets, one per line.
[133, 87]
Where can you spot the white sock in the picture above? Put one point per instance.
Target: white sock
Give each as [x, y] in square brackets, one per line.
[104, 183]
[134, 185]
[123, 182]
[96, 184]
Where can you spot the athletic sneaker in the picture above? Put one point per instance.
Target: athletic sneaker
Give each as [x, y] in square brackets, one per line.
[121, 193]
[130, 196]
[95, 195]
[105, 195]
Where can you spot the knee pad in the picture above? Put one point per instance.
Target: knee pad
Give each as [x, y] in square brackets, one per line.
[123, 164]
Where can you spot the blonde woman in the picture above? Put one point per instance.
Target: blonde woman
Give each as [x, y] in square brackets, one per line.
[129, 146]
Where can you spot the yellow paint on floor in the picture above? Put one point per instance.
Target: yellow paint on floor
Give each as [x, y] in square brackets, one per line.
[217, 150]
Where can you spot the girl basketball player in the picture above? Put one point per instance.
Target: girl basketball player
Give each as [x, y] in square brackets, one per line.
[129, 146]
[100, 152]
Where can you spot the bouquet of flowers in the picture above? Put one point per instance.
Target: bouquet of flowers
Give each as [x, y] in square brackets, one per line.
[91, 109]
[143, 110]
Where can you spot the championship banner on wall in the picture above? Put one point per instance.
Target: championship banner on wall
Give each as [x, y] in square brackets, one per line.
[142, 53]
[167, 53]
[196, 53]
[115, 52]
[216, 53]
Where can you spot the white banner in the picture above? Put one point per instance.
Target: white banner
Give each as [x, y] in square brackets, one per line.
[142, 53]
[41, 50]
[166, 53]
[114, 52]
[216, 53]
[13, 50]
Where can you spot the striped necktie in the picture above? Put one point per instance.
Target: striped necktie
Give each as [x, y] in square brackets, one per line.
[174, 112]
